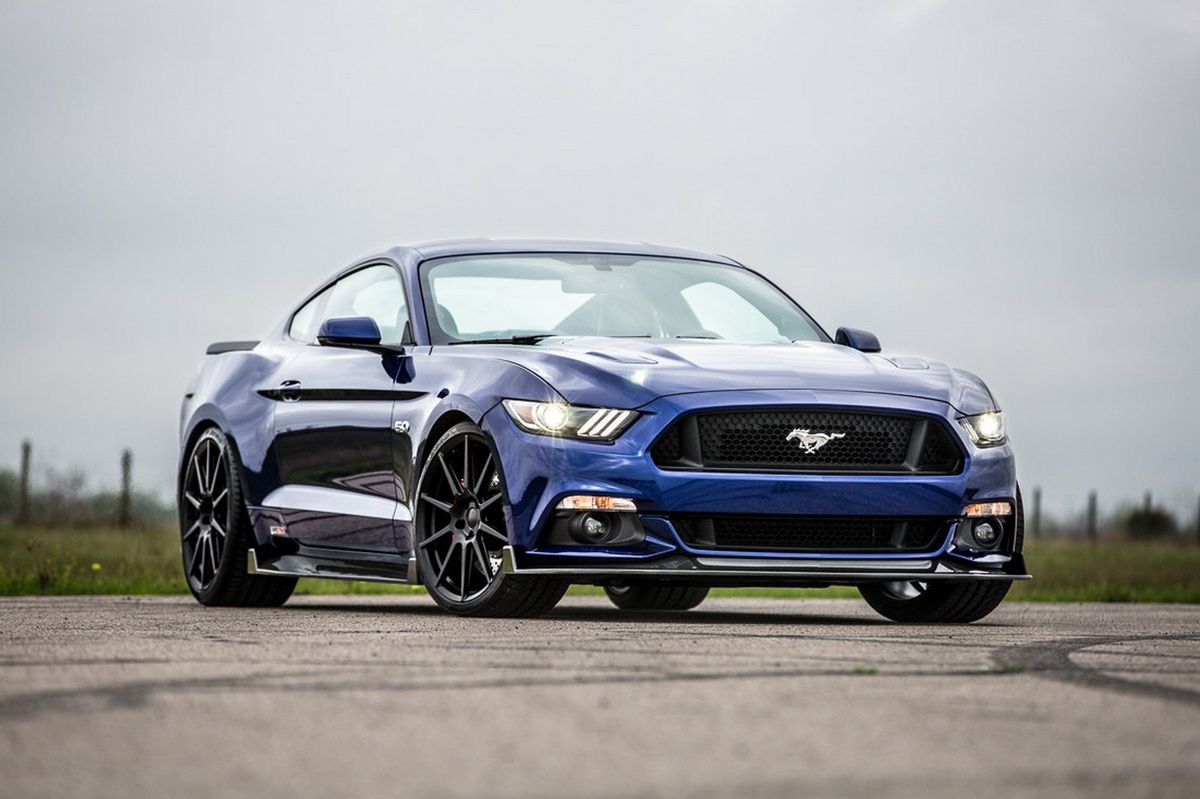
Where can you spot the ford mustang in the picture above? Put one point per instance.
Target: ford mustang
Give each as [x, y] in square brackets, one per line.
[498, 420]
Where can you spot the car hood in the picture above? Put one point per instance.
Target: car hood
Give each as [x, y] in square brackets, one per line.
[632, 372]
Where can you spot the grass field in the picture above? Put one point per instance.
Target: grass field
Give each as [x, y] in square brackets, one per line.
[103, 561]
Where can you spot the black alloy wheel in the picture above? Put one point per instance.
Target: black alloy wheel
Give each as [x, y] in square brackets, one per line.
[205, 510]
[215, 533]
[461, 532]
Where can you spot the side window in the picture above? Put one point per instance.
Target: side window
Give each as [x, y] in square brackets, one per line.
[375, 292]
[307, 320]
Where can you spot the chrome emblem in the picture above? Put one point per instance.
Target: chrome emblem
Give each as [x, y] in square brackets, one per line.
[809, 441]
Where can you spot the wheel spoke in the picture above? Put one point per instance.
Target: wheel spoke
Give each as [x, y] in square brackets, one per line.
[200, 561]
[192, 530]
[445, 563]
[437, 503]
[207, 467]
[466, 473]
[188, 496]
[218, 528]
[212, 554]
[489, 501]
[483, 474]
[214, 471]
[221, 496]
[192, 559]
[462, 572]
[454, 486]
[483, 562]
[493, 532]
[198, 471]
[436, 536]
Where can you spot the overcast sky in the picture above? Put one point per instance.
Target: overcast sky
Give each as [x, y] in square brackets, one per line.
[1013, 188]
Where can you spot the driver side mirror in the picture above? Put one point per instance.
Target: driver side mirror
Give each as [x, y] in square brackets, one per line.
[860, 340]
[350, 331]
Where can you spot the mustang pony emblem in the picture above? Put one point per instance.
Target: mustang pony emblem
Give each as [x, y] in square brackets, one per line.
[811, 442]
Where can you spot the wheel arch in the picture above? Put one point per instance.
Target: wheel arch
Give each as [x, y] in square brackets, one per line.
[447, 419]
[199, 427]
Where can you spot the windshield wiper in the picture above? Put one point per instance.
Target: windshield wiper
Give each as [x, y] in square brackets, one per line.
[510, 340]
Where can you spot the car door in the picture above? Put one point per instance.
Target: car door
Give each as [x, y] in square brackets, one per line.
[333, 421]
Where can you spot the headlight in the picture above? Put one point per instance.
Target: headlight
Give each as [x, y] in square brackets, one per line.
[986, 429]
[569, 421]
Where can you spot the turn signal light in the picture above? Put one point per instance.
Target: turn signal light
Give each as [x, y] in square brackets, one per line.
[976, 509]
[589, 502]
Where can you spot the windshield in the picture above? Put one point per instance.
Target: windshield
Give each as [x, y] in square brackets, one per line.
[498, 298]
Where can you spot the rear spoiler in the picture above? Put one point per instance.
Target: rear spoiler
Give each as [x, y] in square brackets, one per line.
[230, 346]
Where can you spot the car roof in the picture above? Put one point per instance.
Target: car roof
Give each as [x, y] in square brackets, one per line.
[422, 251]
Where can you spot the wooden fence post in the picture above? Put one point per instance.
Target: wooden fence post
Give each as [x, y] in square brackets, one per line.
[1036, 527]
[23, 498]
[1091, 516]
[124, 515]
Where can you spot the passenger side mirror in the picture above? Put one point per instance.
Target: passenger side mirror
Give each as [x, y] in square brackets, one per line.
[350, 331]
[858, 339]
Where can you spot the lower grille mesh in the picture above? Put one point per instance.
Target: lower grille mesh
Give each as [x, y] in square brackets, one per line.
[809, 533]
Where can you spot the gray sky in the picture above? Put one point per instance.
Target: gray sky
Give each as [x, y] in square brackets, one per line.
[1010, 187]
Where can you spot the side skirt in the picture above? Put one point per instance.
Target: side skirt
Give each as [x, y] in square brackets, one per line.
[336, 567]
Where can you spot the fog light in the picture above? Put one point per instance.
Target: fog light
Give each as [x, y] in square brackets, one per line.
[589, 528]
[594, 526]
[986, 533]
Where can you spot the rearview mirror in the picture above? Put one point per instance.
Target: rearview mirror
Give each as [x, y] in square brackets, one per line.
[858, 339]
[349, 331]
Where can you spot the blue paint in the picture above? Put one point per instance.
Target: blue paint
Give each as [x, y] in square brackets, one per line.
[326, 416]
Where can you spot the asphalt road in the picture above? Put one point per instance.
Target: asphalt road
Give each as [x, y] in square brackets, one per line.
[113, 696]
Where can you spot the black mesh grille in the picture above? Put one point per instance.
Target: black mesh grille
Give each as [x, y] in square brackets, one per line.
[807, 440]
[810, 533]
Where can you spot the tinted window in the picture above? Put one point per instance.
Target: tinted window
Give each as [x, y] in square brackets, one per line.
[374, 292]
[308, 318]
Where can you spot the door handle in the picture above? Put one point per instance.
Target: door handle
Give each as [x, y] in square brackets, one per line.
[289, 390]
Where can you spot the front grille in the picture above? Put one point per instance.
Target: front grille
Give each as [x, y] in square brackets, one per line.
[810, 533]
[807, 441]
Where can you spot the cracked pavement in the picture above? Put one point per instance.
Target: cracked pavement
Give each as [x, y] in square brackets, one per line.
[152, 696]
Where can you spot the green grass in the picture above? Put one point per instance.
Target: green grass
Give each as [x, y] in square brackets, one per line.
[106, 561]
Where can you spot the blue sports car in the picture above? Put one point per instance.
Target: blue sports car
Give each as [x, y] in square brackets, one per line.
[500, 419]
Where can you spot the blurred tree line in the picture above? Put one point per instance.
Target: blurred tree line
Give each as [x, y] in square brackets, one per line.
[1144, 522]
[61, 499]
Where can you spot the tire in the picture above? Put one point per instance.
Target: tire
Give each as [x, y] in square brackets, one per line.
[647, 596]
[461, 529]
[938, 602]
[215, 531]
[944, 602]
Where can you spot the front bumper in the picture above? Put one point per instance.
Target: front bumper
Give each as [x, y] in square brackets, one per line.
[538, 471]
[743, 572]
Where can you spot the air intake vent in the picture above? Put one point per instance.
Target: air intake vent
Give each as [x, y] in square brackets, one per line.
[810, 533]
